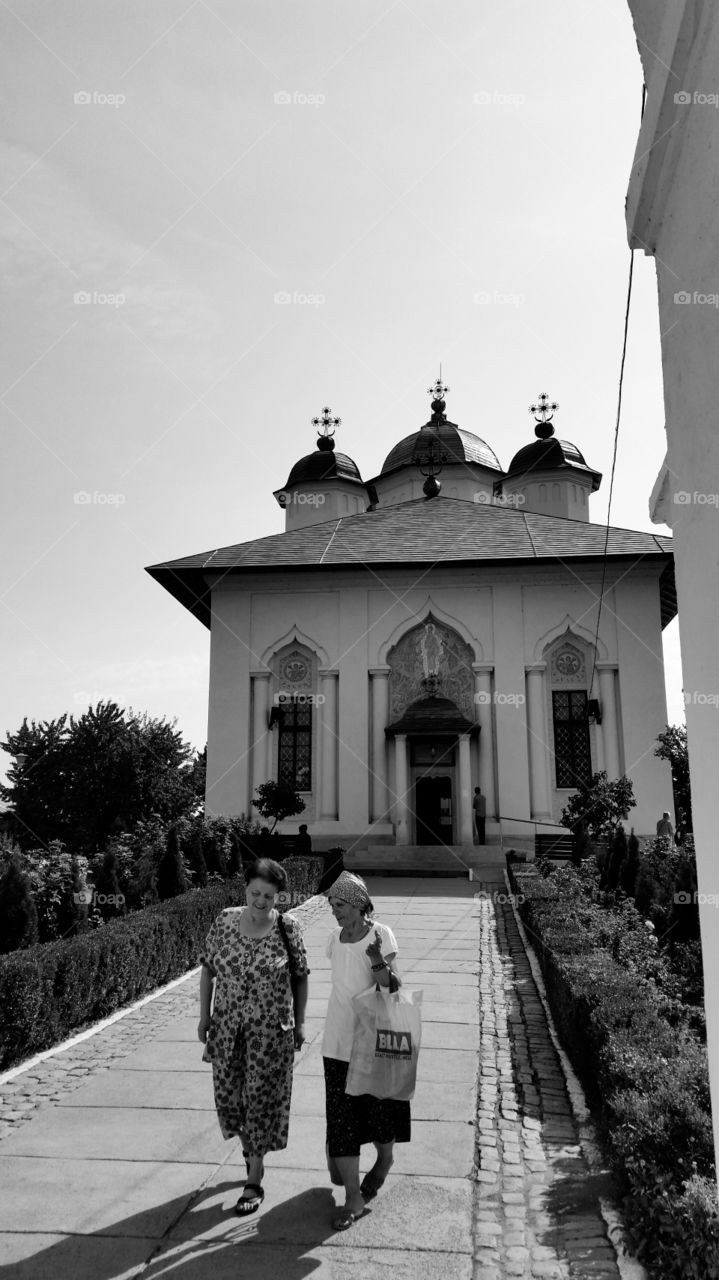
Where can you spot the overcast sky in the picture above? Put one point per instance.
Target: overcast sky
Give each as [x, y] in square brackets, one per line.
[427, 181]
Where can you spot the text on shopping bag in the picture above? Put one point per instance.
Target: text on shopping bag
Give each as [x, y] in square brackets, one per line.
[393, 1044]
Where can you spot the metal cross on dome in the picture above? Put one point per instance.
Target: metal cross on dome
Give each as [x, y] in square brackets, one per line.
[543, 410]
[326, 423]
[439, 390]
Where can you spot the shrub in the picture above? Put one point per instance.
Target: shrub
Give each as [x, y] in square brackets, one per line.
[613, 994]
[171, 876]
[51, 990]
[17, 907]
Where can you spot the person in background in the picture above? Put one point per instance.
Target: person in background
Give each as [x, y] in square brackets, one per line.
[303, 843]
[362, 952]
[479, 805]
[252, 1029]
[664, 826]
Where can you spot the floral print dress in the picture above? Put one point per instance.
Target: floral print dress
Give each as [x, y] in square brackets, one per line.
[250, 1042]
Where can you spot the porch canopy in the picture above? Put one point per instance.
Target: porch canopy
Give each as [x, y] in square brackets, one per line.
[433, 717]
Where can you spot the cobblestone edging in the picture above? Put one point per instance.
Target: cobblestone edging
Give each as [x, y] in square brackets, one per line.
[64, 1070]
[537, 1201]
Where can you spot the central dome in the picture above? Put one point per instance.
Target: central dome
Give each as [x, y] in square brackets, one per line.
[459, 446]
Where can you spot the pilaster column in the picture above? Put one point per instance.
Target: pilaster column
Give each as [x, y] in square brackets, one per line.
[465, 830]
[537, 742]
[379, 693]
[328, 746]
[401, 785]
[610, 728]
[260, 731]
[483, 704]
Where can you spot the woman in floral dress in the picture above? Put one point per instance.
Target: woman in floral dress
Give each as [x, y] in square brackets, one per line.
[251, 1030]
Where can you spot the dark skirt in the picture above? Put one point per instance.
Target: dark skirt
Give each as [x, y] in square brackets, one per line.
[351, 1122]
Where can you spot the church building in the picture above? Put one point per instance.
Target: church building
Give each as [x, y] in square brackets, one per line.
[430, 630]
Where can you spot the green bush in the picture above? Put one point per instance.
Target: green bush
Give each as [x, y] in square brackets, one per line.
[50, 991]
[615, 999]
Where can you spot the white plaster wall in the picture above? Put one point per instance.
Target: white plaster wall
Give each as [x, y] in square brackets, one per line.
[466, 483]
[672, 205]
[307, 504]
[352, 621]
[551, 494]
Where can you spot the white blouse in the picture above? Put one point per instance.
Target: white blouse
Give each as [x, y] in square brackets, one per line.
[351, 975]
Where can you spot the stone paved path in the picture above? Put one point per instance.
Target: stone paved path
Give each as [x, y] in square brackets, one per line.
[537, 1209]
[528, 1205]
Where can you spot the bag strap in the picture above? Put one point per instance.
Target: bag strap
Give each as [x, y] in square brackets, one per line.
[285, 939]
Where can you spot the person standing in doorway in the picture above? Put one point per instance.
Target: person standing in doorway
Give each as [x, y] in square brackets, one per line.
[479, 805]
[303, 843]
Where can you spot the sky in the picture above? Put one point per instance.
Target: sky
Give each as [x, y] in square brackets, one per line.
[218, 218]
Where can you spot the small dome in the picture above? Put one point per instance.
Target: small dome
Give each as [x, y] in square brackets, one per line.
[549, 455]
[459, 446]
[323, 465]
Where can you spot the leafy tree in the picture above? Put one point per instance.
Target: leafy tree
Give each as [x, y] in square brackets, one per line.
[277, 801]
[673, 748]
[17, 908]
[107, 885]
[601, 805]
[86, 779]
[171, 876]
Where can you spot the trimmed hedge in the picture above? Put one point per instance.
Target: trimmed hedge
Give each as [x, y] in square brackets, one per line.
[642, 1065]
[50, 991]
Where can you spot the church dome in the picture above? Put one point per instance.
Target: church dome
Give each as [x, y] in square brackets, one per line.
[460, 447]
[547, 455]
[323, 464]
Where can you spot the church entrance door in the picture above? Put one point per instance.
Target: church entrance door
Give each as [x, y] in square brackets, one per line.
[433, 809]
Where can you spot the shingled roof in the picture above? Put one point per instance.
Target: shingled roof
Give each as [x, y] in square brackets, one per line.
[439, 531]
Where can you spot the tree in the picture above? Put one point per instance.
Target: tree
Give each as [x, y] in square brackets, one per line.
[600, 804]
[630, 866]
[89, 778]
[171, 876]
[17, 908]
[581, 844]
[107, 886]
[616, 858]
[673, 748]
[277, 801]
[196, 859]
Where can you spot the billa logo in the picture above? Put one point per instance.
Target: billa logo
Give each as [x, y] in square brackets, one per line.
[393, 1044]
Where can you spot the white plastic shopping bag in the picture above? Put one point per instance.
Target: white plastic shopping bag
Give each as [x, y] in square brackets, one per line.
[388, 1032]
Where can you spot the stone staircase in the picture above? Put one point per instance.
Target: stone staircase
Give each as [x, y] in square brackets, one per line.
[425, 860]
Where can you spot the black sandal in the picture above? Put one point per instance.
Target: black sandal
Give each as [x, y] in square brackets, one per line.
[250, 1204]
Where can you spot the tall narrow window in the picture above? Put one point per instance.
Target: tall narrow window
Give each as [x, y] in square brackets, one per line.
[571, 737]
[295, 744]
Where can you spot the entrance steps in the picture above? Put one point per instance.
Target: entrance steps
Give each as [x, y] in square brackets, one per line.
[425, 860]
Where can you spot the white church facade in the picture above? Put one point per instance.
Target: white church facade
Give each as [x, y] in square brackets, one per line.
[432, 630]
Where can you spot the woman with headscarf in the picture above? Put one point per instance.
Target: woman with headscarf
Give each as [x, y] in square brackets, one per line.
[362, 952]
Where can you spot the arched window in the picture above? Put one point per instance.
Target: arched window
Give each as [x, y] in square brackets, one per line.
[295, 694]
[568, 680]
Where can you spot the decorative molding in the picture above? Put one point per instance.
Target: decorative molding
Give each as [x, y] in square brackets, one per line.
[431, 660]
[573, 631]
[295, 636]
[422, 615]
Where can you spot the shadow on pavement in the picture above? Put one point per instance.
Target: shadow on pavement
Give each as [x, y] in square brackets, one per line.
[202, 1243]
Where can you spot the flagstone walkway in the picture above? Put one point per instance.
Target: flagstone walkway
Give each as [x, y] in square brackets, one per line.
[112, 1165]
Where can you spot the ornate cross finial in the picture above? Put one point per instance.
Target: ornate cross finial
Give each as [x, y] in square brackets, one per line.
[326, 423]
[543, 410]
[438, 391]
